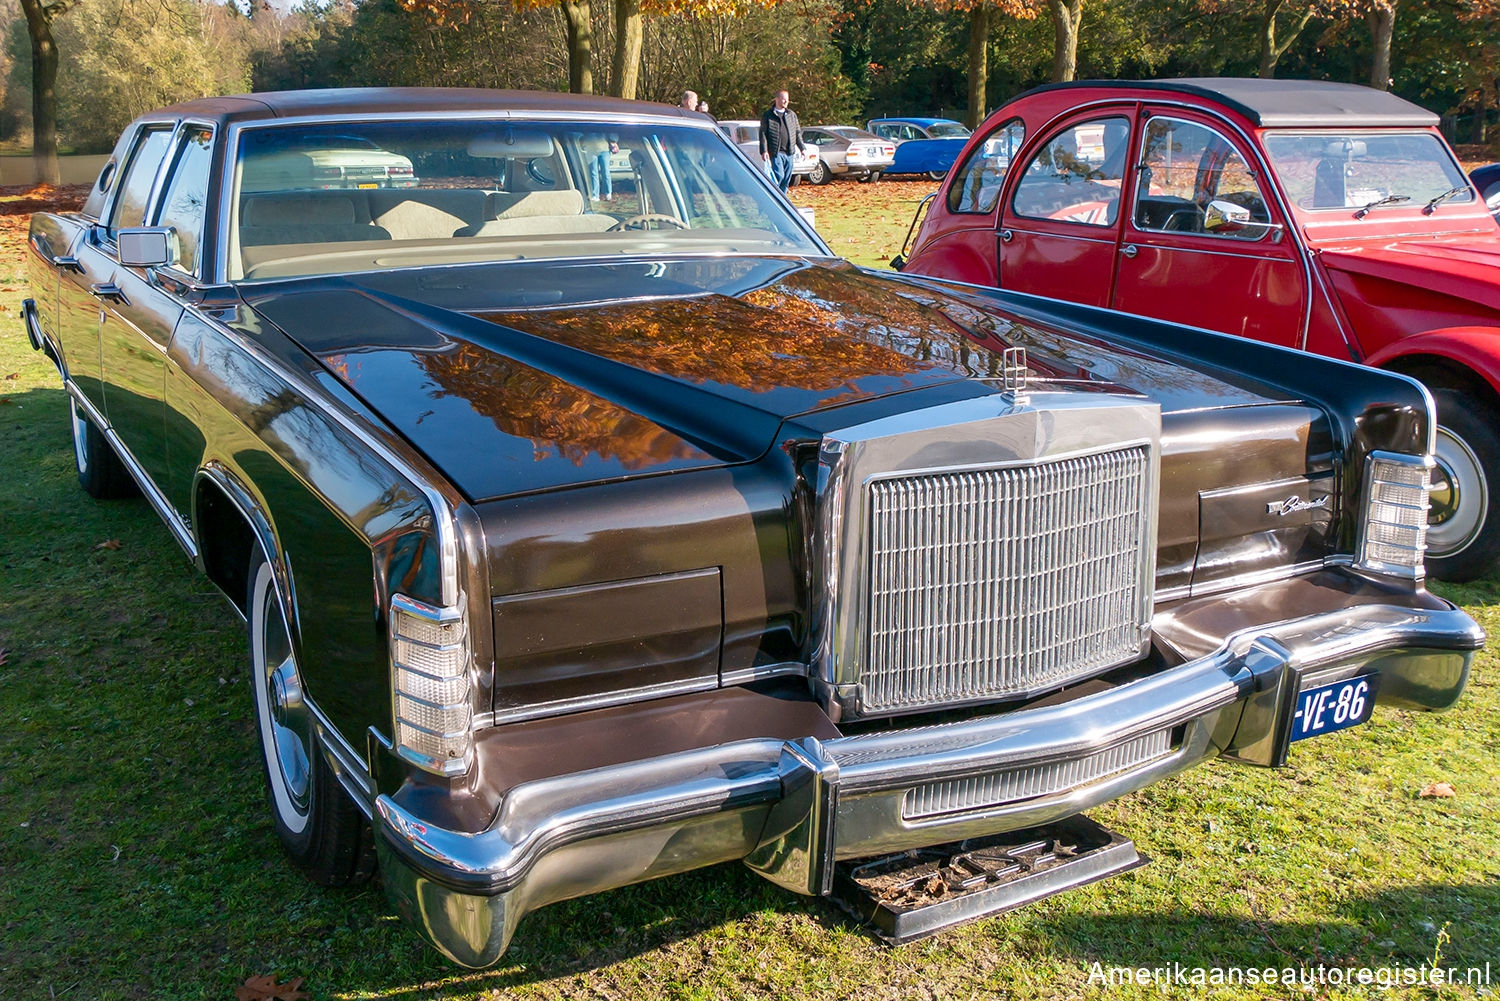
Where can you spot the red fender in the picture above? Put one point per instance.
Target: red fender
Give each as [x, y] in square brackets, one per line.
[1475, 348]
[965, 255]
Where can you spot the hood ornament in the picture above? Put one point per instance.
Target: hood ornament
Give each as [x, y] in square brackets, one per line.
[1014, 376]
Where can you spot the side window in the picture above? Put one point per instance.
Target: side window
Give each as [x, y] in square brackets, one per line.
[1076, 176]
[976, 185]
[183, 207]
[135, 186]
[1185, 167]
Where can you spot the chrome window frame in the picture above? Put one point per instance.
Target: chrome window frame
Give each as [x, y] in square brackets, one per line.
[1256, 174]
[234, 130]
[159, 192]
[1128, 115]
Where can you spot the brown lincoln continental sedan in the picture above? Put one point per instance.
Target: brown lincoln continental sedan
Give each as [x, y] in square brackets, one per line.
[584, 540]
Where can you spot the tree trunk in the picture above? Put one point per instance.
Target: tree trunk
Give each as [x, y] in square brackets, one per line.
[1067, 15]
[979, 64]
[580, 46]
[625, 71]
[1271, 50]
[43, 91]
[1382, 20]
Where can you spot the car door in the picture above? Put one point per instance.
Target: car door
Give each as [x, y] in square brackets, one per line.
[1204, 244]
[186, 205]
[137, 315]
[1060, 225]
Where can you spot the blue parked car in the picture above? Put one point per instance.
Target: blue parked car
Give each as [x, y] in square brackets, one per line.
[1487, 180]
[923, 145]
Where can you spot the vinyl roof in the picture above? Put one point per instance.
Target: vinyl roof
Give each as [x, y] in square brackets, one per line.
[1286, 103]
[394, 100]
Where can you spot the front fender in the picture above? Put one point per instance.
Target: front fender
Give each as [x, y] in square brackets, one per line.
[1475, 348]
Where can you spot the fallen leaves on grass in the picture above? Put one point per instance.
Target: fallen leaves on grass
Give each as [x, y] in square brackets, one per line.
[14, 375]
[109, 544]
[265, 988]
[1437, 790]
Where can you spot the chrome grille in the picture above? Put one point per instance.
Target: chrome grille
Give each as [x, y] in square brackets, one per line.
[980, 792]
[1005, 581]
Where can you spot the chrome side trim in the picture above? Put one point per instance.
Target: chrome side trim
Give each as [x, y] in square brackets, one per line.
[761, 672]
[347, 764]
[153, 495]
[602, 700]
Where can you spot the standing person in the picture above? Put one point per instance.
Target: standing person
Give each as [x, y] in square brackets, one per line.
[601, 185]
[688, 101]
[780, 138]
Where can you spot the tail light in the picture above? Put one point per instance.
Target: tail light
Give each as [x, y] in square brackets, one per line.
[328, 172]
[430, 687]
[1393, 536]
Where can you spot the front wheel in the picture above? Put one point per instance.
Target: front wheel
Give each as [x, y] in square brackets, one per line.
[316, 822]
[100, 472]
[820, 174]
[871, 177]
[1463, 528]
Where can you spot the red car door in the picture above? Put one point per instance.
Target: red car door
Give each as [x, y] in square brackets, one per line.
[1204, 242]
[1060, 226]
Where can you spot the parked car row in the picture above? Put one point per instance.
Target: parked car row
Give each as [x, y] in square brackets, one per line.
[583, 540]
[1325, 217]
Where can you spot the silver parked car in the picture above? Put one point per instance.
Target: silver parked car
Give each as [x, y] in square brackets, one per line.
[844, 149]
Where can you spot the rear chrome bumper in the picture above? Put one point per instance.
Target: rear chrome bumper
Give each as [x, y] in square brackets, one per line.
[790, 809]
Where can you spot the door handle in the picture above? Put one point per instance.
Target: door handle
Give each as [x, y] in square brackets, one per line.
[1130, 250]
[66, 264]
[1007, 235]
[109, 290]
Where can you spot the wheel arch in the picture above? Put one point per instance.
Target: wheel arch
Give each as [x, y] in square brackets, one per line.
[1463, 358]
[227, 519]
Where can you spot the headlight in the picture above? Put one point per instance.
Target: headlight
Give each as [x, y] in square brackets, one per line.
[430, 691]
[1393, 535]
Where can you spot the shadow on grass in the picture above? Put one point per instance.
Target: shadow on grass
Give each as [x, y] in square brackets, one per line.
[1399, 927]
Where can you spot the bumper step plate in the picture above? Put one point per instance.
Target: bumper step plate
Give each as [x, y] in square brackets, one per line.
[914, 894]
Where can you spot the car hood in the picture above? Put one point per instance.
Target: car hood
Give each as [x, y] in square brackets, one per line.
[1468, 268]
[558, 375]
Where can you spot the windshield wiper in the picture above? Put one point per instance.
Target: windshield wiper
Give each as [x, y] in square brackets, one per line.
[1440, 199]
[1387, 200]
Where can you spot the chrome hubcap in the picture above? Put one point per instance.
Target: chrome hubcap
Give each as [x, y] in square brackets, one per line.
[285, 723]
[1460, 496]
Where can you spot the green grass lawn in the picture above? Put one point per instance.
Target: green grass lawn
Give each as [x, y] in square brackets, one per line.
[137, 859]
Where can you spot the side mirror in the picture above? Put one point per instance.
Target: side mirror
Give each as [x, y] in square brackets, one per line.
[147, 246]
[1225, 217]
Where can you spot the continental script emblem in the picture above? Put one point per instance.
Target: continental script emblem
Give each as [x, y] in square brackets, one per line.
[1294, 504]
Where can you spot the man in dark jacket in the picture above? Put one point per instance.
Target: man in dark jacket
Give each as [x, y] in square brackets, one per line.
[780, 138]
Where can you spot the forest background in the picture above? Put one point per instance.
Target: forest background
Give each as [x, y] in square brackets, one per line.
[842, 60]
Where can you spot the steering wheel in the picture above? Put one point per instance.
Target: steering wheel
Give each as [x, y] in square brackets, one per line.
[640, 221]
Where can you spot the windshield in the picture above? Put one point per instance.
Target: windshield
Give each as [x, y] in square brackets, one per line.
[1340, 170]
[410, 194]
[947, 130]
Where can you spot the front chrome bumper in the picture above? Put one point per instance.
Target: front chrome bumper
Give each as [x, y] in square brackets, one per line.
[790, 809]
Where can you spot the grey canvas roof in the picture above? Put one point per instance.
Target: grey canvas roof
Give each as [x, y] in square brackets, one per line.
[1289, 103]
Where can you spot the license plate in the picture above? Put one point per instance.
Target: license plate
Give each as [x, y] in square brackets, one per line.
[369, 184]
[1333, 707]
